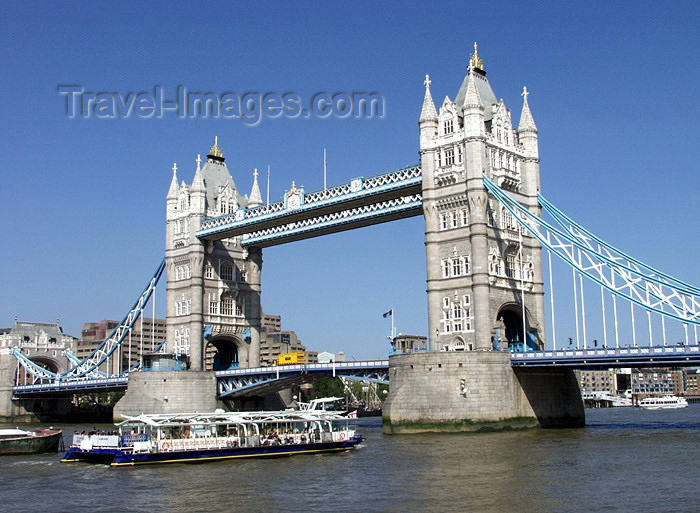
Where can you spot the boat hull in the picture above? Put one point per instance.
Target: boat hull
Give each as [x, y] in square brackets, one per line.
[117, 457]
[44, 440]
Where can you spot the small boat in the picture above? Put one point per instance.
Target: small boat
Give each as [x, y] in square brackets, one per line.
[33, 441]
[197, 437]
[666, 402]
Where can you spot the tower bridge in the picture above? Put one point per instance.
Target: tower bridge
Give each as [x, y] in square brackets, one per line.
[478, 187]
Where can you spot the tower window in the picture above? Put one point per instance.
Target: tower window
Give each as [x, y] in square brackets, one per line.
[226, 271]
[227, 306]
[449, 156]
[448, 126]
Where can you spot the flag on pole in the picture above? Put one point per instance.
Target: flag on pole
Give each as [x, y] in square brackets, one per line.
[387, 314]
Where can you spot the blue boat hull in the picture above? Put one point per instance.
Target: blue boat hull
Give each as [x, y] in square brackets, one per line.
[117, 457]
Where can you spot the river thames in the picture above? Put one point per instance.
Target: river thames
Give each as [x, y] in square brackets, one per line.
[625, 459]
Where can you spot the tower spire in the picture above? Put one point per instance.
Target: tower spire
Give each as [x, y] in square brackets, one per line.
[215, 152]
[474, 61]
[255, 199]
[198, 182]
[472, 98]
[428, 113]
[527, 123]
[172, 192]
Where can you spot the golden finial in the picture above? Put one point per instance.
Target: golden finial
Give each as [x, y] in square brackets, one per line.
[215, 151]
[474, 61]
[294, 187]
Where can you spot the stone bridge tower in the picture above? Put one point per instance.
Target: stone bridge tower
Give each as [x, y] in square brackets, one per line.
[213, 297]
[485, 287]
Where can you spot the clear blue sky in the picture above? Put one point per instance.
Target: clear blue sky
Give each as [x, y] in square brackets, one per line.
[614, 93]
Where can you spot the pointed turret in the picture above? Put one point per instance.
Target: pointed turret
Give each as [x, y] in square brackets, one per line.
[198, 182]
[172, 192]
[255, 199]
[198, 191]
[472, 99]
[428, 113]
[527, 124]
[473, 108]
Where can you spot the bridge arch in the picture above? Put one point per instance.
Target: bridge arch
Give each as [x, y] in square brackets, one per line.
[222, 352]
[510, 324]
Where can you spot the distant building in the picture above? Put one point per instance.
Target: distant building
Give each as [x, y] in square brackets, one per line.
[642, 382]
[598, 381]
[271, 323]
[274, 342]
[326, 357]
[146, 336]
[692, 382]
[272, 345]
[658, 381]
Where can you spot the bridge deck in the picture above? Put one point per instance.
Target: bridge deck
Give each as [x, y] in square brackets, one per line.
[263, 380]
[638, 357]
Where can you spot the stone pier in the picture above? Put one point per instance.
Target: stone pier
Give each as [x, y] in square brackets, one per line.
[168, 392]
[476, 391]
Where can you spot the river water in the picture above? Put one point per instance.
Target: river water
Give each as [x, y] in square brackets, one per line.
[626, 459]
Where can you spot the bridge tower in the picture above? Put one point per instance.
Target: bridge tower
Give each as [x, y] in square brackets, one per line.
[485, 286]
[484, 277]
[213, 296]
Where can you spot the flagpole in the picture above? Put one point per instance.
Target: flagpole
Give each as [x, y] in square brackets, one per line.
[268, 184]
[325, 163]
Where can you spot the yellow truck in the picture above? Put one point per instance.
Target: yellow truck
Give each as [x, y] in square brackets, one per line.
[291, 358]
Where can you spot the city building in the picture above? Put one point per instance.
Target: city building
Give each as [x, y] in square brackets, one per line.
[642, 382]
[326, 357]
[658, 381]
[692, 382]
[598, 381]
[274, 344]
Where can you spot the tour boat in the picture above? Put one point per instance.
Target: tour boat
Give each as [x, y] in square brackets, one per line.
[34, 441]
[196, 437]
[663, 403]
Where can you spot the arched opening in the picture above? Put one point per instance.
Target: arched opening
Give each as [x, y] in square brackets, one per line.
[510, 318]
[458, 344]
[221, 354]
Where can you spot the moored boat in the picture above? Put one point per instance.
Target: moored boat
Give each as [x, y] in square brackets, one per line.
[666, 402]
[33, 441]
[196, 437]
